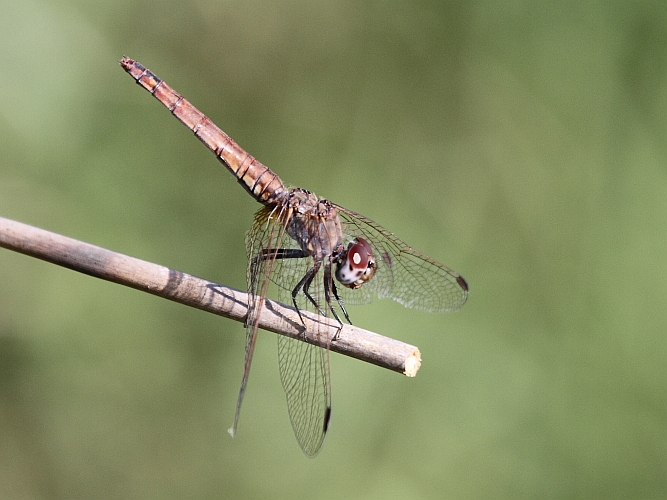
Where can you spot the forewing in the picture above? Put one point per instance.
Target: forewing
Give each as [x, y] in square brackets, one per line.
[404, 274]
[304, 367]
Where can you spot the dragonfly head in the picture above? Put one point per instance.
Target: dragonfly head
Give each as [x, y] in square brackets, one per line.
[356, 265]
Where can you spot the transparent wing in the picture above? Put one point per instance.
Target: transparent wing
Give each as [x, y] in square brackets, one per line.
[304, 372]
[304, 367]
[403, 274]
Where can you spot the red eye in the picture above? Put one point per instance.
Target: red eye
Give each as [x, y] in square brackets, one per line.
[358, 254]
[357, 264]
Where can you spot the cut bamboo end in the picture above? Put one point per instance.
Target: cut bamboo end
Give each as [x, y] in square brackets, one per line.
[412, 363]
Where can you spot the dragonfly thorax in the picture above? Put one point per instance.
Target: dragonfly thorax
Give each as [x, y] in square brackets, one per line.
[356, 265]
[313, 223]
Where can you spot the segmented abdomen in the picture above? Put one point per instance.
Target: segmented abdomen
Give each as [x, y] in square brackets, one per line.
[262, 183]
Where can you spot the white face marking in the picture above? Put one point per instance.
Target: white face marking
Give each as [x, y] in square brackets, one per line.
[356, 258]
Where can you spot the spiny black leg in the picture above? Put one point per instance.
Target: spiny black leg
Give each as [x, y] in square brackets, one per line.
[278, 253]
[339, 300]
[330, 286]
[327, 297]
[295, 292]
[335, 258]
[306, 285]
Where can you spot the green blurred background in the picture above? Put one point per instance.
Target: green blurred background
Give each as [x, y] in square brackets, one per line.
[524, 144]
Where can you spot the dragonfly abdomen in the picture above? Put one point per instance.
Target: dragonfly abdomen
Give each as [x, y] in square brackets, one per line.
[260, 181]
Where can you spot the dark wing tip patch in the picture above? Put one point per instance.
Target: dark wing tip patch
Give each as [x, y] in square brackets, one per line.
[327, 418]
[462, 283]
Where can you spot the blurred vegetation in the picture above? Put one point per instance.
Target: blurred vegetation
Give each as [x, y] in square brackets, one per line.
[524, 144]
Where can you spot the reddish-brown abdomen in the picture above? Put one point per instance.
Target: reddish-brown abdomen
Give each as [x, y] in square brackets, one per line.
[262, 183]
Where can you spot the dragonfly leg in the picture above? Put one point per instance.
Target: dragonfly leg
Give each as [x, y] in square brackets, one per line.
[304, 285]
[340, 301]
[279, 253]
[289, 253]
[329, 288]
[268, 254]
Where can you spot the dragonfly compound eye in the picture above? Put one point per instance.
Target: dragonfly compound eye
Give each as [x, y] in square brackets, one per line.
[357, 265]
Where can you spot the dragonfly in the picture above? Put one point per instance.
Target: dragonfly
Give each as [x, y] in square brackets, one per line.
[320, 257]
